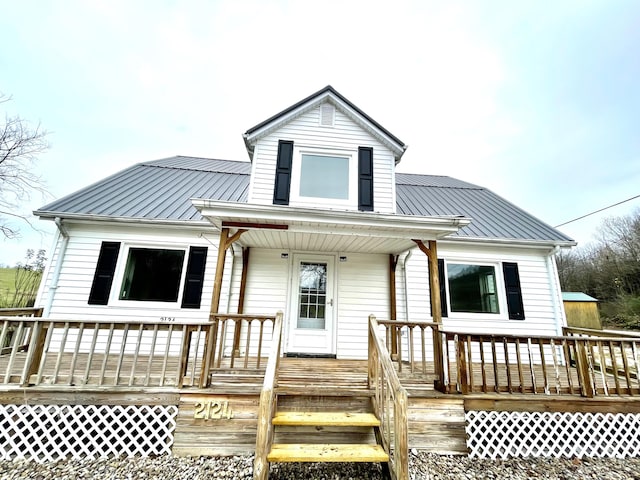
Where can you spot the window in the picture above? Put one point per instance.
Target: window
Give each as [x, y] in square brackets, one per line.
[305, 175]
[472, 288]
[481, 289]
[324, 176]
[152, 275]
[149, 275]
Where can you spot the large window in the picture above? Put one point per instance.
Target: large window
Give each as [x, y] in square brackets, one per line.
[472, 288]
[323, 176]
[481, 289]
[152, 275]
[149, 275]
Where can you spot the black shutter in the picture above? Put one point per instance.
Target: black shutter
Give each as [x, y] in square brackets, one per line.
[192, 292]
[443, 288]
[103, 277]
[283, 173]
[514, 293]
[365, 179]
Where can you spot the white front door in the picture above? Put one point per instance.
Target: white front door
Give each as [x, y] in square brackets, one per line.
[311, 328]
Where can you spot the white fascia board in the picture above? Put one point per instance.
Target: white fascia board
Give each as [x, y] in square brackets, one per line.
[89, 218]
[510, 242]
[332, 221]
[396, 148]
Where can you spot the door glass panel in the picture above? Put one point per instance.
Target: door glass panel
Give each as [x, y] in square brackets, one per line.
[312, 295]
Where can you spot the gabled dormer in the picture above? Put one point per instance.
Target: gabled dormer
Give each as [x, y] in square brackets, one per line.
[323, 152]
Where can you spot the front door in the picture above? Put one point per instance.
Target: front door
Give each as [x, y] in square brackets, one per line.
[311, 320]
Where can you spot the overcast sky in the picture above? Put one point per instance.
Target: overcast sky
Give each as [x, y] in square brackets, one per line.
[538, 101]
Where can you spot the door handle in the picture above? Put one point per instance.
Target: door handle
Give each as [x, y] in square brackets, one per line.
[330, 302]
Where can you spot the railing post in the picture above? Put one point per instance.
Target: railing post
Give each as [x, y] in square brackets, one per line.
[438, 360]
[34, 355]
[461, 360]
[371, 347]
[584, 369]
[401, 434]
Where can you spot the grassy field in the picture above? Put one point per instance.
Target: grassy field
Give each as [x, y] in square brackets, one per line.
[7, 289]
[7, 276]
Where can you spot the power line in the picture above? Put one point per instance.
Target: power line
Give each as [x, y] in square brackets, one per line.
[597, 211]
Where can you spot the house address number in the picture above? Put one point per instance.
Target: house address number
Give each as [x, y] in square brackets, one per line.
[212, 410]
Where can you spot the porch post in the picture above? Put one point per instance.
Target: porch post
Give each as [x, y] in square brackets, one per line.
[393, 263]
[243, 287]
[436, 308]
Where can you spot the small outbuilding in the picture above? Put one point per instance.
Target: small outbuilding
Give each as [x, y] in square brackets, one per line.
[581, 310]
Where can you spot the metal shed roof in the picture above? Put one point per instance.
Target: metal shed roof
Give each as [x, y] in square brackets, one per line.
[577, 297]
[162, 190]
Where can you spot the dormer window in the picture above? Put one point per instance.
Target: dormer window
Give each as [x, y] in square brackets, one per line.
[324, 176]
[318, 177]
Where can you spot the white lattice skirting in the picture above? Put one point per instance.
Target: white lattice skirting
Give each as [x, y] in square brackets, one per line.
[551, 434]
[45, 433]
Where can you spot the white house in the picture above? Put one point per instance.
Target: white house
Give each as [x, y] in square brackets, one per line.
[317, 224]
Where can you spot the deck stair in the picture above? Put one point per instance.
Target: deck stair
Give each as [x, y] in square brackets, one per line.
[326, 427]
[324, 418]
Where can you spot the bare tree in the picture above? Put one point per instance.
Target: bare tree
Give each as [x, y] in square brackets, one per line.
[20, 145]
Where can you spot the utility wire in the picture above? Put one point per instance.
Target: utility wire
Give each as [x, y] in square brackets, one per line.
[597, 211]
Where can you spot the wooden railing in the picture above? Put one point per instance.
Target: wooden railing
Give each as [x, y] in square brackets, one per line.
[99, 353]
[576, 365]
[414, 346]
[21, 312]
[264, 437]
[389, 403]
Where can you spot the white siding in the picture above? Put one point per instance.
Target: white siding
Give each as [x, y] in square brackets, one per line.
[305, 131]
[363, 289]
[76, 275]
[267, 282]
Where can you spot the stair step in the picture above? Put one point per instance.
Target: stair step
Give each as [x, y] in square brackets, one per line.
[328, 391]
[306, 452]
[338, 419]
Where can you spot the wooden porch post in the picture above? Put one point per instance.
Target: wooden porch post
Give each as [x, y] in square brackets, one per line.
[243, 288]
[436, 308]
[393, 263]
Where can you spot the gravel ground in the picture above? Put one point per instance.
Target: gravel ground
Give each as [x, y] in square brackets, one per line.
[422, 466]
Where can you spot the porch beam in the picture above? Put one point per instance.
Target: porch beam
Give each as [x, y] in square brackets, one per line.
[431, 251]
[268, 226]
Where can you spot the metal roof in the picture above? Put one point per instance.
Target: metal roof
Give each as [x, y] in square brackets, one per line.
[577, 297]
[158, 190]
[163, 189]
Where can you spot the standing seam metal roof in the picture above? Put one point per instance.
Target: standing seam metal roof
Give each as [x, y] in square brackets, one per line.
[163, 189]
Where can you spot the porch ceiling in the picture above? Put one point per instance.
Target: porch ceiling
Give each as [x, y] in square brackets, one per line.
[292, 228]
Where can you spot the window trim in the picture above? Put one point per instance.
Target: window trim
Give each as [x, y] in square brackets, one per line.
[500, 288]
[296, 199]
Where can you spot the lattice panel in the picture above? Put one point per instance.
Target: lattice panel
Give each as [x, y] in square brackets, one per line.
[552, 434]
[53, 432]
